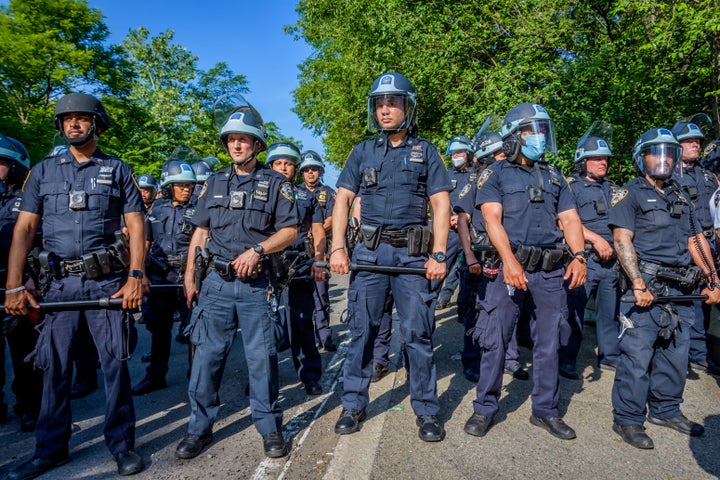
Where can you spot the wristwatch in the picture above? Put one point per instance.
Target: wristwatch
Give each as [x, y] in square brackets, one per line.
[136, 274]
[259, 249]
[439, 257]
[581, 256]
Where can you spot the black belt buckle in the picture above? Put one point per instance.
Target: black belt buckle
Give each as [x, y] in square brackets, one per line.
[73, 266]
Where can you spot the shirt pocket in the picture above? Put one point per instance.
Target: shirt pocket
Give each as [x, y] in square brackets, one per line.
[55, 197]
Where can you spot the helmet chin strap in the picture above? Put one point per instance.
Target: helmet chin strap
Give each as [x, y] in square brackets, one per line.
[79, 142]
[251, 158]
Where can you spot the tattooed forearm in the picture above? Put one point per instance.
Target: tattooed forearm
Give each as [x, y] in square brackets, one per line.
[626, 253]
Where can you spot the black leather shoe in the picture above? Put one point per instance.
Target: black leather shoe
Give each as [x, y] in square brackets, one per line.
[129, 463]
[568, 370]
[679, 423]
[82, 389]
[379, 371]
[634, 435]
[431, 430]
[328, 345]
[148, 385]
[442, 304]
[146, 358]
[180, 338]
[349, 421]
[34, 468]
[313, 387]
[478, 425]
[555, 425]
[274, 445]
[191, 445]
[518, 372]
[472, 374]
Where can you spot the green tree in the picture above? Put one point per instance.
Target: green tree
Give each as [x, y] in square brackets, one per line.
[49, 48]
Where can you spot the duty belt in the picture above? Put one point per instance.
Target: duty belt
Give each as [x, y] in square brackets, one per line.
[395, 238]
[72, 266]
[227, 272]
[177, 261]
[686, 277]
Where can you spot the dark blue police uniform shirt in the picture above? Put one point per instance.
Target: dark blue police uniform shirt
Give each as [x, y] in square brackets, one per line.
[525, 222]
[309, 212]
[466, 202]
[407, 175]
[460, 182]
[170, 228]
[657, 236]
[9, 209]
[268, 206]
[593, 204]
[705, 184]
[325, 197]
[110, 192]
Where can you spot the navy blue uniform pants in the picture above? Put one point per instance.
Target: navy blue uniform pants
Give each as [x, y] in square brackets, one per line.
[452, 280]
[415, 304]
[495, 327]
[159, 318]
[601, 281]
[109, 330]
[223, 307]
[321, 297]
[651, 371]
[300, 306]
[381, 352]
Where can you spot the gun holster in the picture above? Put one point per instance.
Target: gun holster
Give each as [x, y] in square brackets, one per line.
[277, 267]
[370, 236]
[201, 262]
[352, 233]
[120, 251]
[50, 263]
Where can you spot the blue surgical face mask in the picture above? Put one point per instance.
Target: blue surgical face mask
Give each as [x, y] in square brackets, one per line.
[534, 147]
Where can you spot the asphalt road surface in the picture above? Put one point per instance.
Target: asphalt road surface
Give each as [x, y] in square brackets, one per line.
[387, 446]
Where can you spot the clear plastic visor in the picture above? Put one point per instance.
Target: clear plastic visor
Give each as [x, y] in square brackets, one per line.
[659, 159]
[376, 102]
[537, 127]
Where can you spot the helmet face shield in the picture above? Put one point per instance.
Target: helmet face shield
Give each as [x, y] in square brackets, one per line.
[659, 159]
[542, 129]
[376, 102]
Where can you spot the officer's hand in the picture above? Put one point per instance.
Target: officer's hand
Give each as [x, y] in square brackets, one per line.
[245, 263]
[339, 261]
[131, 294]
[190, 290]
[713, 296]
[146, 286]
[20, 303]
[453, 222]
[577, 273]
[473, 265]
[514, 274]
[435, 270]
[603, 249]
[643, 297]
[321, 273]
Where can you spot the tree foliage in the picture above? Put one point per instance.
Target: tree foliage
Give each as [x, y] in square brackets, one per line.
[637, 64]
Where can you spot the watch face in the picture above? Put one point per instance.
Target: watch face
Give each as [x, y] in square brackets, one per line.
[440, 257]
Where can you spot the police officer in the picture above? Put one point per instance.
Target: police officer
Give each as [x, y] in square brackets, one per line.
[700, 184]
[297, 297]
[246, 212]
[203, 168]
[521, 200]
[312, 168]
[657, 238]
[19, 331]
[78, 198]
[462, 178]
[396, 174]
[592, 191]
[148, 189]
[169, 232]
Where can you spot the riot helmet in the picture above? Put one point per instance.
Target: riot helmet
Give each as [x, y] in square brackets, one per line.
[687, 130]
[392, 85]
[533, 120]
[202, 171]
[18, 161]
[458, 145]
[81, 103]
[286, 150]
[234, 114]
[486, 145]
[175, 171]
[310, 158]
[590, 147]
[656, 153]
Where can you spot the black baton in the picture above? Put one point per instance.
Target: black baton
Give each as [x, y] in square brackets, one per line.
[668, 298]
[385, 269]
[105, 302]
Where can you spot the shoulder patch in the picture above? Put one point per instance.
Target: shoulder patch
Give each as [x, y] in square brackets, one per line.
[484, 176]
[202, 192]
[570, 180]
[465, 190]
[321, 197]
[286, 191]
[618, 195]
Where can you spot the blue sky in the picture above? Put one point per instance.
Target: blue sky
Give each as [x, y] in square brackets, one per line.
[248, 35]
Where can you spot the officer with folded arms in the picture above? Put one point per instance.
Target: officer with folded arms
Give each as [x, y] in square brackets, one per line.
[78, 198]
[245, 212]
[397, 175]
[657, 238]
[521, 200]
